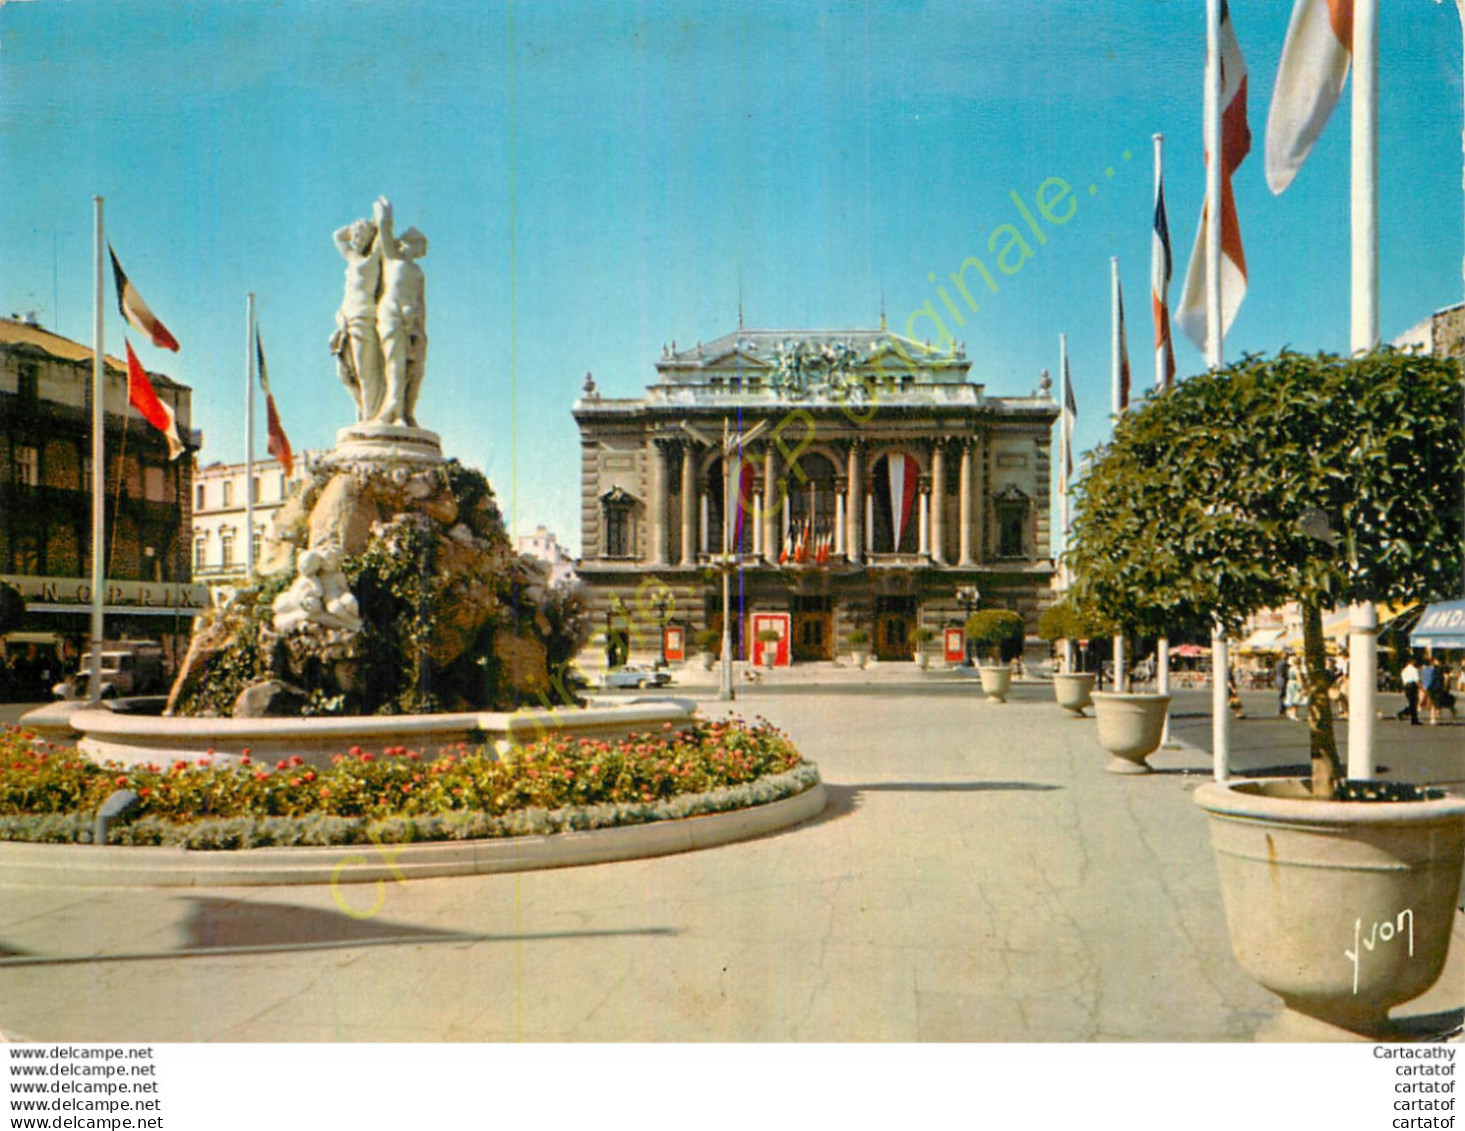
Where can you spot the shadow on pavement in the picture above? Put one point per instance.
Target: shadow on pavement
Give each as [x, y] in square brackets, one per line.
[225, 927]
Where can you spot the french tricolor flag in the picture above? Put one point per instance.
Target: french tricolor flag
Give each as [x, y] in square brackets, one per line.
[144, 398]
[1310, 79]
[143, 320]
[1162, 267]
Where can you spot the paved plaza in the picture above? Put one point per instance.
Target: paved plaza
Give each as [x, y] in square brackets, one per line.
[976, 877]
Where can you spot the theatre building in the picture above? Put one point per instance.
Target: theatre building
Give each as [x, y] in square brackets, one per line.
[46, 498]
[884, 487]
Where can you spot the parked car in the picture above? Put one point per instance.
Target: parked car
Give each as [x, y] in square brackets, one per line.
[635, 675]
[133, 669]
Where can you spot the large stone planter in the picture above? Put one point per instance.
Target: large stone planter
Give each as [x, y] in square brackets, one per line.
[860, 656]
[1343, 909]
[708, 659]
[1073, 691]
[1131, 727]
[996, 681]
[923, 660]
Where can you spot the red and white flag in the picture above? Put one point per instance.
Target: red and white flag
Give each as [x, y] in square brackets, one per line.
[905, 476]
[1235, 145]
[1070, 418]
[1122, 378]
[144, 398]
[279, 444]
[786, 554]
[1310, 79]
[1162, 266]
[136, 311]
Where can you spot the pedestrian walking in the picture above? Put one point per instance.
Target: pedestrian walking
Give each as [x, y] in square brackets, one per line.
[1281, 671]
[1293, 695]
[1409, 677]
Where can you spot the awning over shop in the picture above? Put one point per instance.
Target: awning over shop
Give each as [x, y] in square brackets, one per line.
[1441, 626]
[1337, 622]
[1263, 640]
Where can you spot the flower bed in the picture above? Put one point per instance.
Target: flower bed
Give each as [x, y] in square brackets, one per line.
[50, 793]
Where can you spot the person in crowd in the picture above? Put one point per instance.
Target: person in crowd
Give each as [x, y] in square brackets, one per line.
[1293, 695]
[1409, 677]
[1281, 672]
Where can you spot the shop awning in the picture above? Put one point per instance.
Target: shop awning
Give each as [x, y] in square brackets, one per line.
[1441, 626]
[1263, 640]
[1337, 622]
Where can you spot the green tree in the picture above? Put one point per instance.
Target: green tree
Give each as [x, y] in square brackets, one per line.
[994, 627]
[1315, 479]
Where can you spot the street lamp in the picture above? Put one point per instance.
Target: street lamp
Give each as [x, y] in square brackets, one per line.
[969, 596]
[731, 443]
[662, 602]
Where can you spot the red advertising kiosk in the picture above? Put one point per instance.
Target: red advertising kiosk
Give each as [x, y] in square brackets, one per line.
[954, 645]
[775, 622]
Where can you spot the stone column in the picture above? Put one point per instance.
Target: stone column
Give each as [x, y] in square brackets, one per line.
[839, 521]
[772, 541]
[938, 503]
[924, 544]
[689, 504]
[964, 522]
[657, 498]
[706, 529]
[854, 507]
[870, 523]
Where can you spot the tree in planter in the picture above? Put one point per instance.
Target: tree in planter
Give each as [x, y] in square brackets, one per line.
[769, 637]
[1064, 620]
[1315, 479]
[708, 640]
[920, 636]
[994, 627]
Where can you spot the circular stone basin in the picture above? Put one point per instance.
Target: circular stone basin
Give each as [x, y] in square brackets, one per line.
[139, 739]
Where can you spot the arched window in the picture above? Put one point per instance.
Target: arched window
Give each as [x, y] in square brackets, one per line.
[200, 550]
[811, 491]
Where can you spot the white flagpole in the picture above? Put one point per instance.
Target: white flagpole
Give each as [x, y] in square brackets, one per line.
[249, 441]
[1364, 335]
[99, 480]
[1066, 440]
[1116, 356]
[1215, 351]
[1157, 267]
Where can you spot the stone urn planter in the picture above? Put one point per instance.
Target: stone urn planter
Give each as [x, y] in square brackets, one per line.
[708, 659]
[1131, 727]
[1073, 691]
[860, 656]
[1341, 908]
[996, 681]
[922, 659]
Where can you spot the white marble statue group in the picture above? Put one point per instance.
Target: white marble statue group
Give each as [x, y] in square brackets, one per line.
[318, 595]
[380, 341]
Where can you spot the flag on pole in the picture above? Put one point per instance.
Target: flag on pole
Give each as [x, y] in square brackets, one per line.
[1162, 267]
[145, 399]
[1310, 80]
[136, 311]
[1070, 418]
[1124, 381]
[279, 444]
[905, 476]
[1235, 145]
[786, 554]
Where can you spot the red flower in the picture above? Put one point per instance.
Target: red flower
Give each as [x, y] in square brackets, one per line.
[260, 775]
[310, 775]
[245, 752]
[297, 760]
[355, 751]
[367, 758]
[244, 761]
[325, 791]
[282, 764]
[121, 781]
[294, 781]
[144, 792]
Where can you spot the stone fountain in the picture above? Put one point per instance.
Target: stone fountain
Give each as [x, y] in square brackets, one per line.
[390, 607]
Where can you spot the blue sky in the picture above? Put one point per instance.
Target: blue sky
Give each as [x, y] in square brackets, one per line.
[597, 179]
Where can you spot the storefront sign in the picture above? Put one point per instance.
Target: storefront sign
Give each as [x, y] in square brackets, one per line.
[74, 595]
[955, 645]
[674, 637]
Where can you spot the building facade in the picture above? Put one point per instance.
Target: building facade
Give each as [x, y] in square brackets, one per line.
[46, 494]
[543, 546]
[884, 491]
[220, 517]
